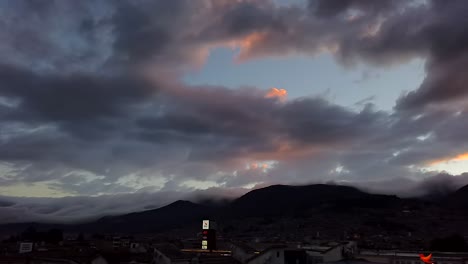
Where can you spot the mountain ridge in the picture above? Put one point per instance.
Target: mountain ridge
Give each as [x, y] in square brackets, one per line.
[271, 201]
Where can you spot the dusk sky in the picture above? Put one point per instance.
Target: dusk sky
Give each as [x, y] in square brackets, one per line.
[118, 106]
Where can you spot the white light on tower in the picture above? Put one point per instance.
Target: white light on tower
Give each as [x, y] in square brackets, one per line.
[209, 235]
[206, 224]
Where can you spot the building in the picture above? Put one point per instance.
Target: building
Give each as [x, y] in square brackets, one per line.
[170, 254]
[395, 257]
[241, 251]
[351, 261]
[210, 259]
[279, 254]
[292, 253]
[208, 235]
[329, 252]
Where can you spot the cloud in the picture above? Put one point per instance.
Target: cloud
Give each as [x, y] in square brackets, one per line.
[434, 185]
[280, 93]
[365, 101]
[444, 84]
[459, 157]
[69, 98]
[382, 33]
[85, 208]
[366, 76]
[323, 8]
[97, 106]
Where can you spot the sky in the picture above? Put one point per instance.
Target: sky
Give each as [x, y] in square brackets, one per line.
[110, 106]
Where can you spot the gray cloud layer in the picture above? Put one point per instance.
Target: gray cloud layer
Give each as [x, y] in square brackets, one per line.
[91, 101]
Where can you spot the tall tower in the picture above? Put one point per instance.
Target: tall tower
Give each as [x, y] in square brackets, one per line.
[208, 235]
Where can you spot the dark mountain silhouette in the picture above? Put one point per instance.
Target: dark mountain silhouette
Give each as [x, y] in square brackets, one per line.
[17, 228]
[287, 200]
[276, 200]
[273, 201]
[176, 215]
[457, 199]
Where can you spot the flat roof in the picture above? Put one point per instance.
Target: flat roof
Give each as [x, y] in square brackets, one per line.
[413, 254]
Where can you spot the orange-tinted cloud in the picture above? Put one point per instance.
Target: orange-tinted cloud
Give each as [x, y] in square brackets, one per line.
[261, 166]
[277, 93]
[286, 150]
[459, 157]
[252, 39]
[248, 44]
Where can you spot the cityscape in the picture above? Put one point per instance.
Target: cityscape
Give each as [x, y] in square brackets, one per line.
[352, 227]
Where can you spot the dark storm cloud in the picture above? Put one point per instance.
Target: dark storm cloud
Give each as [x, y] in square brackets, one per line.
[324, 8]
[246, 17]
[71, 98]
[445, 82]
[144, 32]
[294, 30]
[304, 120]
[381, 32]
[436, 31]
[91, 100]
[194, 132]
[446, 36]
[48, 36]
[240, 124]
[376, 31]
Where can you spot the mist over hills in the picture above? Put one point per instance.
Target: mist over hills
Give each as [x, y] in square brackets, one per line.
[80, 209]
[316, 205]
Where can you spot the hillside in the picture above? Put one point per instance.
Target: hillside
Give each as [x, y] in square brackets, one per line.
[176, 215]
[320, 206]
[457, 200]
[287, 200]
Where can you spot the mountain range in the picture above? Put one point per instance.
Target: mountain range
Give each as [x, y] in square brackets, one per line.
[273, 202]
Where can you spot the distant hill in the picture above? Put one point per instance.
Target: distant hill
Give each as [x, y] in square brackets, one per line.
[273, 201]
[176, 215]
[287, 200]
[277, 200]
[458, 199]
